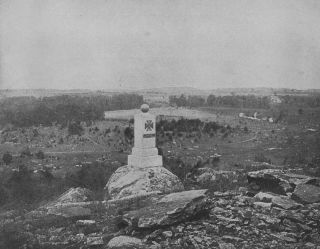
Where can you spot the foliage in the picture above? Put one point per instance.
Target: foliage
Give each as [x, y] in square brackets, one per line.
[21, 185]
[7, 158]
[128, 133]
[93, 177]
[26, 152]
[75, 128]
[261, 158]
[40, 154]
[244, 101]
[29, 111]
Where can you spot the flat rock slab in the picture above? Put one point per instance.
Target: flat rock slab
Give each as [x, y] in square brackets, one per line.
[306, 193]
[277, 200]
[128, 181]
[169, 209]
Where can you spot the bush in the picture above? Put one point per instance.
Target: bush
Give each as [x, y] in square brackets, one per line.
[75, 128]
[93, 177]
[7, 158]
[261, 158]
[40, 154]
[26, 152]
[128, 133]
[22, 185]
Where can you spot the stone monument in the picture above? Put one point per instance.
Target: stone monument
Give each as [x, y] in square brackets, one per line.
[144, 152]
[145, 172]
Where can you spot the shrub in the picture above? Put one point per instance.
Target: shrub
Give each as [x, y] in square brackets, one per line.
[26, 152]
[128, 133]
[75, 128]
[7, 158]
[40, 154]
[22, 185]
[93, 177]
[261, 158]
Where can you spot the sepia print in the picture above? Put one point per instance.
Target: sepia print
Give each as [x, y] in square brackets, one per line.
[159, 124]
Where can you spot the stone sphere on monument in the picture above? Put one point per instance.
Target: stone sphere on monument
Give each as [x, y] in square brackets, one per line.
[144, 108]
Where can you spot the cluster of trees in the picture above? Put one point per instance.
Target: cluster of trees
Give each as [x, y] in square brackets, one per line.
[29, 111]
[183, 101]
[302, 100]
[189, 125]
[243, 101]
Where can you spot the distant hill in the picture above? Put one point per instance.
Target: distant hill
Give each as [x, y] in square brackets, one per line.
[161, 91]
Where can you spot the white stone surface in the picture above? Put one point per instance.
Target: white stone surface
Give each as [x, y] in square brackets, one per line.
[125, 242]
[144, 152]
[130, 180]
[144, 162]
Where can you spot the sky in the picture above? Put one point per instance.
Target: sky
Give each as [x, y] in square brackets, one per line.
[207, 44]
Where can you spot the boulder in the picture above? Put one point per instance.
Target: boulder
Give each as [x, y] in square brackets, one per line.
[306, 193]
[125, 242]
[277, 181]
[70, 210]
[74, 195]
[128, 180]
[208, 175]
[169, 209]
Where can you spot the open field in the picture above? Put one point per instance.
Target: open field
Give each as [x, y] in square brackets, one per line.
[279, 143]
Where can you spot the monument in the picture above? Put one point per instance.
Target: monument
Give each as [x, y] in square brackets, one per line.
[145, 172]
[144, 152]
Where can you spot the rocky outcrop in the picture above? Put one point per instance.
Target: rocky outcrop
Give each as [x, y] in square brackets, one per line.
[125, 242]
[173, 221]
[169, 209]
[306, 193]
[277, 181]
[127, 181]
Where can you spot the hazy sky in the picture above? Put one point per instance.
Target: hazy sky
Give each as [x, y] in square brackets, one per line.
[103, 44]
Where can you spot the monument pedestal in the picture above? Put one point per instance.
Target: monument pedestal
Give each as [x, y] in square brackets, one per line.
[146, 161]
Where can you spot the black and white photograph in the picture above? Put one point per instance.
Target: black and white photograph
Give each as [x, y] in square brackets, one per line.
[159, 124]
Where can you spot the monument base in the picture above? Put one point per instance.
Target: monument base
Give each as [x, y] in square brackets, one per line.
[128, 180]
[144, 161]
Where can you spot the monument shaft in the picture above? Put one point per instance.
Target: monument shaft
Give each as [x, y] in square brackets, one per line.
[144, 152]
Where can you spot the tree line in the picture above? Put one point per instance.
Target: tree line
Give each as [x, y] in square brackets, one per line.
[243, 101]
[29, 111]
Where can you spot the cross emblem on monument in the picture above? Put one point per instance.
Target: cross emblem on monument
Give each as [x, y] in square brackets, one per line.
[148, 126]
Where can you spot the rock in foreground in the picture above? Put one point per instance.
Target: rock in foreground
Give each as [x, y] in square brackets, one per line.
[128, 180]
[278, 181]
[169, 209]
[306, 193]
[125, 242]
[74, 195]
